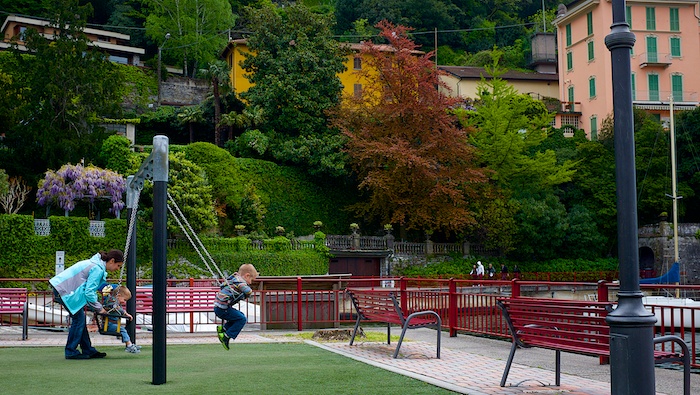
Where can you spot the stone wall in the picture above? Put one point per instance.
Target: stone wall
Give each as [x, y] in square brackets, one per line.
[181, 91]
[658, 239]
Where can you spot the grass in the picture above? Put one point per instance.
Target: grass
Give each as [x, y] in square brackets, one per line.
[369, 337]
[253, 369]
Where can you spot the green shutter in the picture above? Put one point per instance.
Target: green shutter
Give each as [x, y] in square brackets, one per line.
[651, 18]
[568, 35]
[674, 20]
[589, 22]
[652, 56]
[594, 128]
[677, 87]
[675, 46]
[653, 87]
[628, 13]
[591, 52]
[569, 60]
[591, 87]
[634, 86]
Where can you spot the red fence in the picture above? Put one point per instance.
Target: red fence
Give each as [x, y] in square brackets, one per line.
[467, 306]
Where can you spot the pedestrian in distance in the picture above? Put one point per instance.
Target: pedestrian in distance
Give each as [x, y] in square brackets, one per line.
[473, 272]
[76, 288]
[504, 271]
[491, 271]
[516, 271]
[479, 270]
[237, 288]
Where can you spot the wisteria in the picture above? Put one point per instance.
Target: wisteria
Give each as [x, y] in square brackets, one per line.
[72, 183]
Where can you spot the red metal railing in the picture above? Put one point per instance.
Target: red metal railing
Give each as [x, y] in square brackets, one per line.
[464, 305]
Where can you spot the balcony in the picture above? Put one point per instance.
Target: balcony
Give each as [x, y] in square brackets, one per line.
[659, 99]
[654, 59]
[570, 107]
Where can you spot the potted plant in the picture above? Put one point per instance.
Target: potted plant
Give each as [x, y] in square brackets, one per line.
[279, 230]
[354, 227]
[388, 228]
[240, 229]
[318, 225]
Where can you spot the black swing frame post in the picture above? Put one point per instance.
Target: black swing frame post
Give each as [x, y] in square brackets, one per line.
[155, 168]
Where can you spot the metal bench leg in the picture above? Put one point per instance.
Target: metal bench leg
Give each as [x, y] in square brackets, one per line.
[388, 334]
[403, 332]
[357, 325]
[25, 316]
[558, 368]
[510, 361]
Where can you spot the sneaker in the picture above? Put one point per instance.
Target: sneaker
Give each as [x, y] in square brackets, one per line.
[136, 345]
[132, 349]
[98, 355]
[222, 336]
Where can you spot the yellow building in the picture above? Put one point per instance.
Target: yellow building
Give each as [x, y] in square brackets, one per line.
[237, 50]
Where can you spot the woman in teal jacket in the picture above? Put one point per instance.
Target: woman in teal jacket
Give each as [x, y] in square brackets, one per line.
[75, 288]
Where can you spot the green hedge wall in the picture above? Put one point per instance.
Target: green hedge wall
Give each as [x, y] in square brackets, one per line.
[26, 255]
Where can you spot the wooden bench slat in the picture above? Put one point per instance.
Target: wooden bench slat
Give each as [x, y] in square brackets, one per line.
[14, 301]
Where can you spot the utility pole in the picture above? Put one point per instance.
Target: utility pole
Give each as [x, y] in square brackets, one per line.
[160, 50]
[631, 325]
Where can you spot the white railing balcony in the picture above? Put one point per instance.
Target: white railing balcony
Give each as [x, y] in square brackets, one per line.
[42, 227]
[654, 59]
[97, 228]
[663, 97]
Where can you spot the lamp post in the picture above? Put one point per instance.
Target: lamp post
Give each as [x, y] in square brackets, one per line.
[160, 50]
[631, 325]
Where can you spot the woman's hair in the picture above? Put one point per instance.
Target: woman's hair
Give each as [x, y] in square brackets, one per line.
[117, 255]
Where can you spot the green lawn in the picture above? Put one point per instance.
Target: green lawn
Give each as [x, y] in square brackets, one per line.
[250, 369]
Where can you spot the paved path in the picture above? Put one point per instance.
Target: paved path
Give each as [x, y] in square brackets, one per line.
[468, 364]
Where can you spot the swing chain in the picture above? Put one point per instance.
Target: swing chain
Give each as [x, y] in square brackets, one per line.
[130, 231]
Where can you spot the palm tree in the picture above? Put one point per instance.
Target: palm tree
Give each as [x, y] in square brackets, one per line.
[233, 119]
[189, 116]
[219, 74]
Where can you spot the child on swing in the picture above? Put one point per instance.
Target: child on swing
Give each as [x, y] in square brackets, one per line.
[237, 288]
[114, 302]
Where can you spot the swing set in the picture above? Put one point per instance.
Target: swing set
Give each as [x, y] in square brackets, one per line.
[135, 187]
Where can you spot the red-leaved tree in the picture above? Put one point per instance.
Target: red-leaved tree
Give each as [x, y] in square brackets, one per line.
[410, 154]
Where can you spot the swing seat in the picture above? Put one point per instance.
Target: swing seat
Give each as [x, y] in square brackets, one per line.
[102, 321]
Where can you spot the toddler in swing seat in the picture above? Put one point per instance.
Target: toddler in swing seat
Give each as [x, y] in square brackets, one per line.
[114, 303]
[237, 288]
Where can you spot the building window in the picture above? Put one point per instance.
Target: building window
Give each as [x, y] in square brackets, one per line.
[591, 87]
[652, 56]
[676, 47]
[634, 86]
[677, 87]
[568, 35]
[653, 81]
[570, 93]
[357, 63]
[674, 20]
[651, 18]
[628, 12]
[569, 60]
[357, 90]
[589, 22]
[591, 52]
[594, 128]
[569, 121]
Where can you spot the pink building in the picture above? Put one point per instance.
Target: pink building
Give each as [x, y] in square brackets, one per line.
[663, 60]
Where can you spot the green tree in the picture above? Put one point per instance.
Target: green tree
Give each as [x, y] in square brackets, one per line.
[195, 28]
[294, 67]
[115, 154]
[189, 116]
[406, 148]
[509, 127]
[65, 84]
[218, 74]
[687, 130]
[542, 228]
[4, 182]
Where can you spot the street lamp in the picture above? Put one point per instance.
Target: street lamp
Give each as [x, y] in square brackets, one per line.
[631, 325]
[160, 50]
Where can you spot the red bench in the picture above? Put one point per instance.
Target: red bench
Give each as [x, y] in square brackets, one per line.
[178, 299]
[14, 301]
[383, 306]
[574, 326]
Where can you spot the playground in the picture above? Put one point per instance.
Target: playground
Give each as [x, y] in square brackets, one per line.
[198, 364]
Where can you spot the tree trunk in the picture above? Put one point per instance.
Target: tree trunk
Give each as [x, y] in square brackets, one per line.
[217, 113]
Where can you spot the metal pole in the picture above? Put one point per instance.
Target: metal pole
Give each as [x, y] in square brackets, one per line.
[631, 325]
[159, 76]
[160, 192]
[131, 259]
